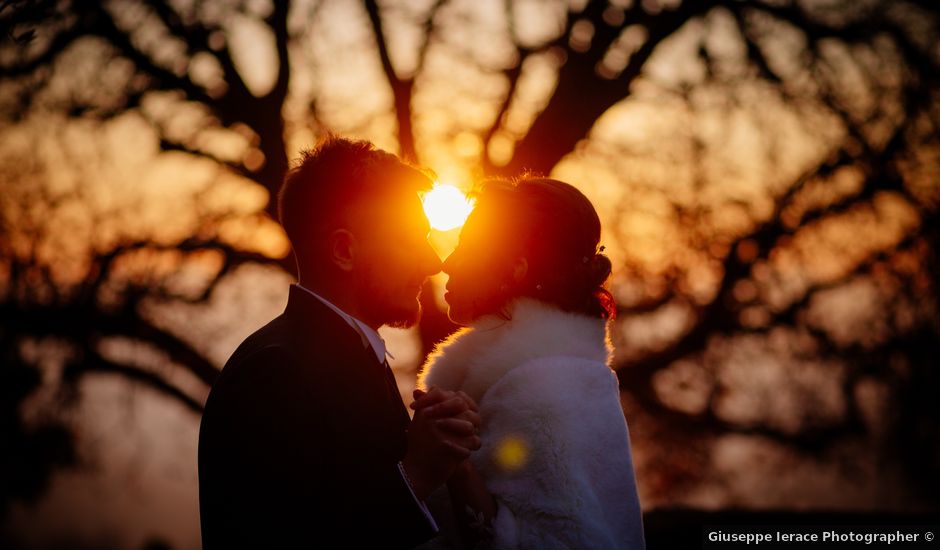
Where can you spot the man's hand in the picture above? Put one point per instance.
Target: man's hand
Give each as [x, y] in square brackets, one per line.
[455, 405]
[442, 434]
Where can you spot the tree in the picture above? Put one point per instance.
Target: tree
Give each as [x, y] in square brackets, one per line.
[555, 88]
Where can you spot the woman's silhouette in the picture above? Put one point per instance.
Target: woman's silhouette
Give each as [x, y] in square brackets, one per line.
[555, 469]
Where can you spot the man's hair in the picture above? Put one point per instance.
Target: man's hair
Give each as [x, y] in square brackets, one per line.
[336, 174]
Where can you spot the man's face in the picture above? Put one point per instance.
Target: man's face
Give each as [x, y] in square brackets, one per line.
[393, 259]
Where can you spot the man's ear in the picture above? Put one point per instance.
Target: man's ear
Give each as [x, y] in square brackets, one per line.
[342, 249]
[519, 269]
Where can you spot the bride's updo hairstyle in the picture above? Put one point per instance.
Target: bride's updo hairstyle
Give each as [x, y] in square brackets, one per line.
[555, 227]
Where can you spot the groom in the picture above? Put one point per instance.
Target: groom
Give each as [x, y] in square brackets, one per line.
[305, 440]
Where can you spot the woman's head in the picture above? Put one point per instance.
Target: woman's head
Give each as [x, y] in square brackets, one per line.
[533, 237]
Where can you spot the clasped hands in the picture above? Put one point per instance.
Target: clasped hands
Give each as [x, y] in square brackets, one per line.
[443, 433]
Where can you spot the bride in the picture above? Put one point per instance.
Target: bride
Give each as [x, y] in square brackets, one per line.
[555, 469]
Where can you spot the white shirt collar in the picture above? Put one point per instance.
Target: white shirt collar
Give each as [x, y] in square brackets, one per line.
[369, 335]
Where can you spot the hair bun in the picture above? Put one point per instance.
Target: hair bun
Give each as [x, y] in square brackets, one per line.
[599, 269]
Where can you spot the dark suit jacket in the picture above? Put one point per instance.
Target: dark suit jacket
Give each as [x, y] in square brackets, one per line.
[300, 441]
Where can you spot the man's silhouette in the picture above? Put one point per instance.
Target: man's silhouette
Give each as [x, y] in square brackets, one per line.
[305, 439]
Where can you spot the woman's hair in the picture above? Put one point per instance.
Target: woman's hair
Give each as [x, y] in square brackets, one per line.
[555, 227]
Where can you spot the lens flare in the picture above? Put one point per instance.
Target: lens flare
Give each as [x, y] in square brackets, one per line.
[446, 207]
[512, 453]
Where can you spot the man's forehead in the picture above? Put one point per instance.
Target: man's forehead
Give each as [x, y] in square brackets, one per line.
[401, 208]
[403, 193]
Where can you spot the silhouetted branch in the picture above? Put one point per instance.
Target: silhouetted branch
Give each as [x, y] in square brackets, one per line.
[20, 13]
[788, 316]
[86, 323]
[196, 38]
[427, 35]
[754, 52]
[162, 77]
[56, 46]
[65, 319]
[235, 167]
[402, 87]
[94, 362]
[277, 22]
[720, 317]
[512, 75]
[582, 95]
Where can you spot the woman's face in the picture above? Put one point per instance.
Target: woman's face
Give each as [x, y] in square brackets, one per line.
[480, 268]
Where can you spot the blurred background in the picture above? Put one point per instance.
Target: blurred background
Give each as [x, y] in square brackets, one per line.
[767, 173]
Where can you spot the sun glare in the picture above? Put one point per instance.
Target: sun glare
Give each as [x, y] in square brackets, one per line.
[446, 207]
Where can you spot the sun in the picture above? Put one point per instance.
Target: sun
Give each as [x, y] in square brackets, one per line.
[446, 206]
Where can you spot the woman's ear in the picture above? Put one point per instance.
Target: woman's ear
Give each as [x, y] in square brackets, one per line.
[342, 249]
[519, 269]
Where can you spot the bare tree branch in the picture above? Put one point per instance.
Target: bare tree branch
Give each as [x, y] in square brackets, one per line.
[401, 88]
[95, 363]
[582, 95]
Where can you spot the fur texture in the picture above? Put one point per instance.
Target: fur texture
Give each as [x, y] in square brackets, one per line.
[556, 450]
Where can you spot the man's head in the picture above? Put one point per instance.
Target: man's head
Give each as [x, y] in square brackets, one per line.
[355, 221]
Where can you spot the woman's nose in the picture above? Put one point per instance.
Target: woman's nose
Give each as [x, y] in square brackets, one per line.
[432, 261]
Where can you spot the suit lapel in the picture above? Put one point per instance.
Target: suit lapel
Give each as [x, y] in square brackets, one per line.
[395, 396]
[363, 378]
